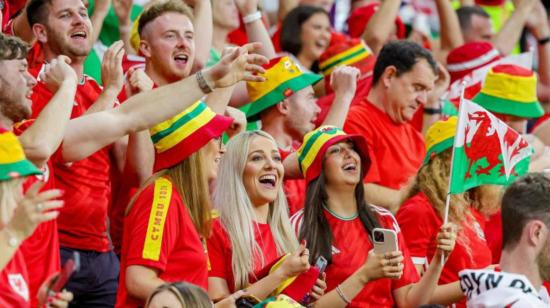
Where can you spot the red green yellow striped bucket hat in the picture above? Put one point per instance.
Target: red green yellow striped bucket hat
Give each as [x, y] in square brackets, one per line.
[13, 163]
[512, 90]
[440, 137]
[316, 143]
[352, 52]
[283, 78]
[179, 137]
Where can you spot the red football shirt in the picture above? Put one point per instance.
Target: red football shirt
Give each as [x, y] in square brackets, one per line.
[493, 232]
[14, 290]
[220, 251]
[159, 234]
[86, 182]
[420, 224]
[396, 150]
[350, 249]
[41, 249]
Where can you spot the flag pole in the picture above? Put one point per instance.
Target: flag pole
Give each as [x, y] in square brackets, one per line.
[448, 199]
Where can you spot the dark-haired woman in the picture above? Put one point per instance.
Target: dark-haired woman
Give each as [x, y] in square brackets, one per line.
[306, 34]
[339, 224]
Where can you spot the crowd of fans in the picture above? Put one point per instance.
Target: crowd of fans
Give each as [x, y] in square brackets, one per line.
[247, 153]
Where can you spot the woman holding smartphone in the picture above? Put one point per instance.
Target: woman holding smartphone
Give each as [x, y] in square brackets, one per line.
[337, 224]
[420, 215]
[253, 229]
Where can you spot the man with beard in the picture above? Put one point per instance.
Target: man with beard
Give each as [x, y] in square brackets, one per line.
[525, 260]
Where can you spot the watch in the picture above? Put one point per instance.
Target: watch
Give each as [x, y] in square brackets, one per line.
[431, 111]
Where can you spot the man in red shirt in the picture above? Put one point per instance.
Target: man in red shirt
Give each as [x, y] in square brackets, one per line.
[403, 77]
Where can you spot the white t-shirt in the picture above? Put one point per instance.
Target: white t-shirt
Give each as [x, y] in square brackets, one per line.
[487, 289]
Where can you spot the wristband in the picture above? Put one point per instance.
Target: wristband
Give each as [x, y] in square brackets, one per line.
[342, 296]
[252, 17]
[205, 87]
[432, 111]
[544, 40]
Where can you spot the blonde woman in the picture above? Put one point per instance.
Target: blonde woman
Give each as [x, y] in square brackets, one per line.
[167, 223]
[253, 229]
[421, 215]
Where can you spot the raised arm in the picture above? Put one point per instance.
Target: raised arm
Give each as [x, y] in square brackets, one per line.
[101, 8]
[508, 36]
[202, 11]
[451, 35]
[379, 27]
[44, 136]
[92, 132]
[344, 82]
[255, 29]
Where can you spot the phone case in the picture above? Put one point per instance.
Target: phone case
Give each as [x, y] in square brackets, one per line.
[389, 242]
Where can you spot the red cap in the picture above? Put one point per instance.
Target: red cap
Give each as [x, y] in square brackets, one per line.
[359, 18]
[464, 59]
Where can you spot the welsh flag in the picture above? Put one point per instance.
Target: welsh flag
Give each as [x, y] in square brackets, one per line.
[486, 150]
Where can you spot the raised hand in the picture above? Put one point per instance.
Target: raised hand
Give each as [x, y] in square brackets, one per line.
[138, 81]
[35, 208]
[344, 80]
[446, 240]
[239, 121]
[111, 67]
[296, 263]
[246, 6]
[240, 64]
[389, 265]
[122, 9]
[58, 71]
[59, 300]
[441, 85]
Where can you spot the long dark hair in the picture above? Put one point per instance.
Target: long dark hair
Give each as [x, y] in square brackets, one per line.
[315, 228]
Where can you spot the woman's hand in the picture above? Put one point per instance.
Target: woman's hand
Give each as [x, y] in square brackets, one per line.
[319, 288]
[59, 300]
[389, 265]
[35, 208]
[296, 263]
[446, 240]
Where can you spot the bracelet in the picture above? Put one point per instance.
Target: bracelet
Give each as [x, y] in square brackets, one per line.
[12, 239]
[252, 17]
[342, 296]
[432, 111]
[203, 84]
[544, 40]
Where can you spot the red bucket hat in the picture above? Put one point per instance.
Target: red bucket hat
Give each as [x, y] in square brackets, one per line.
[359, 18]
[464, 59]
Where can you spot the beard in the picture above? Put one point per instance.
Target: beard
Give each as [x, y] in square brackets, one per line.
[12, 106]
[543, 261]
[60, 46]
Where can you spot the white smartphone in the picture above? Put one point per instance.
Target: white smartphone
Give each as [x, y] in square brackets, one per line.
[384, 240]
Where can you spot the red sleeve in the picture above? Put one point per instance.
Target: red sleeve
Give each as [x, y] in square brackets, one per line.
[219, 253]
[151, 239]
[355, 124]
[417, 228]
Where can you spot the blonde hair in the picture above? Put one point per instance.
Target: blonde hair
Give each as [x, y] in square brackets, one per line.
[237, 215]
[188, 295]
[9, 194]
[191, 183]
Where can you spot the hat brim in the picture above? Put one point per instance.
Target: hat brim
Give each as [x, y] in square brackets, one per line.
[253, 109]
[438, 148]
[509, 107]
[213, 129]
[18, 169]
[360, 145]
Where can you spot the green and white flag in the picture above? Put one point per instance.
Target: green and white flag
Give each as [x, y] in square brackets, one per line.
[486, 150]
